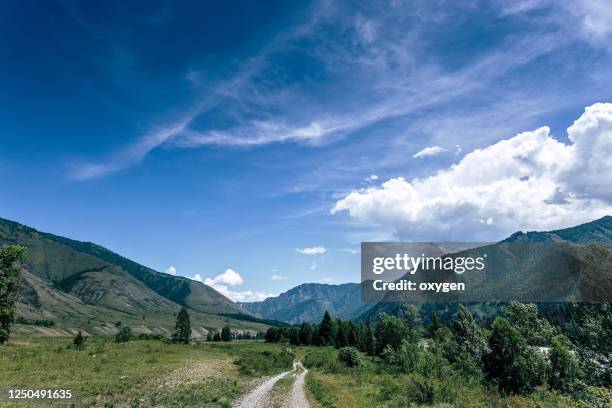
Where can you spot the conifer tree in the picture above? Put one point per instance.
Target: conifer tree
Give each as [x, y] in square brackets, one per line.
[182, 332]
[326, 330]
[226, 333]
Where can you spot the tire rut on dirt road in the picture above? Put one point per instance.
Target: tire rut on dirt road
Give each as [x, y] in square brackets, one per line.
[298, 395]
[260, 396]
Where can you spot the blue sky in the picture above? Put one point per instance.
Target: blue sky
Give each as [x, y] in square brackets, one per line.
[209, 137]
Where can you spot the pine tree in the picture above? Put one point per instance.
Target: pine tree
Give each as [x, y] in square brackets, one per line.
[182, 332]
[11, 258]
[209, 335]
[306, 334]
[435, 324]
[226, 334]
[341, 338]
[294, 337]
[353, 338]
[217, 336]
[326, 330]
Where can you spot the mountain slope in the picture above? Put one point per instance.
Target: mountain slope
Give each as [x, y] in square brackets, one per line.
[308, 302]
[557, 269]
[83, 285]
[599, 231]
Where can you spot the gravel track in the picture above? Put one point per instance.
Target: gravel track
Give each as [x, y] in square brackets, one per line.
[260, 396]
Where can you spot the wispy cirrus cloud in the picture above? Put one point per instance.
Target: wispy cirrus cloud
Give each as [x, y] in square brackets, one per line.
[370, 70]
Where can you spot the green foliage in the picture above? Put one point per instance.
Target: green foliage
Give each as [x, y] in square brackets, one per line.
[123, 335]
[79, 341]
[322, 358]
[524, 317]
[514, 365]
[182, 332]
[349, 356]
[467, 335]
[390, 331]
[564, 369]
[306, 334]
[11, 258]
[294, 337]
[257, 363]
[226, 333]
[326, 330]
[35, 322]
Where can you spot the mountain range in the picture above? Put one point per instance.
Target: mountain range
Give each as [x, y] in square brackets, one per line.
[82, 285]
[308, 302]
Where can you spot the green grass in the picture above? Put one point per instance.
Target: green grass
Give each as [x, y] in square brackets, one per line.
[335, 386]
[139, 372]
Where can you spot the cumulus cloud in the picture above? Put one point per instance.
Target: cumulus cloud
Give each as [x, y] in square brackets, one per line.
[229, 278]
[221, 283]
[318, 250]
[428, 151]
[171, 270]
[197, 277]
[529, 181]
[372, 177]
[278, 277]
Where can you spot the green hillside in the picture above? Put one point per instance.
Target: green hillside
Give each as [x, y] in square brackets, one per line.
[545, 266]
[80, 285]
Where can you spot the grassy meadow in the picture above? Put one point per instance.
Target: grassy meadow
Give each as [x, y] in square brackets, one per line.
[140, 372]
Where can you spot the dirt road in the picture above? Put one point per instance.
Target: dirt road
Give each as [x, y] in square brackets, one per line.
[260, 396]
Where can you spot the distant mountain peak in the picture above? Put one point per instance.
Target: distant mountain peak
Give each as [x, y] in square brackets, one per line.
[599, 231]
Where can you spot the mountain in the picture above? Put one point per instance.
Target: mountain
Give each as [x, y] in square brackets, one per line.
[562, 264]
[599, 231]
[81, 285]
[308, 302]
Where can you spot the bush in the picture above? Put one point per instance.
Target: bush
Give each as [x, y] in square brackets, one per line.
[79, 341]
[349, 356]
[123, 335]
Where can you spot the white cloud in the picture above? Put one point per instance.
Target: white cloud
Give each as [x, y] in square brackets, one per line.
[318, 250]
[596, 16]
[229, 278]
[197, 277]
[222, 283]
[278, 277]
[372, 177]
[171, 270]
[530, 181]
[428, 151]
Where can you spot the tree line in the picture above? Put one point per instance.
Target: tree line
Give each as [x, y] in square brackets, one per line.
[516, 352]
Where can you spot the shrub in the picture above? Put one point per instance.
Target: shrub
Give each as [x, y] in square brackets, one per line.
[515, 366]
[349, 356]
[265, 362]
[79, 341]
[123, 335]
[564, 368]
